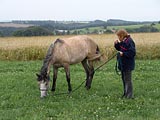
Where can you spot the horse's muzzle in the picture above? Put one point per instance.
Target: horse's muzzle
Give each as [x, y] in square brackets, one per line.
[43, 90]
[43, 93]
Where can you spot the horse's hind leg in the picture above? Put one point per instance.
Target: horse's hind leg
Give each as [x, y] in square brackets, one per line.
[91, 74]
[66, 67]
[86, 67]
[55, 71]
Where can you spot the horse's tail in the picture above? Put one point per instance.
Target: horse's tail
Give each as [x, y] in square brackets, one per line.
[97, 50]
[96, 56]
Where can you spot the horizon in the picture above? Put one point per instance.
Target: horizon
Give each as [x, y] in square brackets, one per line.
[78, 20]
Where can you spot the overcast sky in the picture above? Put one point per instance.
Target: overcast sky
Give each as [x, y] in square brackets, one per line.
[80, 10]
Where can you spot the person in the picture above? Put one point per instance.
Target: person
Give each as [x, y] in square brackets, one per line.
[126, 60]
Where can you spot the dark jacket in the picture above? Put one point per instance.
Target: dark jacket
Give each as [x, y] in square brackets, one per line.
[127, 61]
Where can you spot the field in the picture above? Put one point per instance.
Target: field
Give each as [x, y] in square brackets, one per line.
[92, 29]
[33, 48]
[21, 58]
[20, 97]
[14, 25]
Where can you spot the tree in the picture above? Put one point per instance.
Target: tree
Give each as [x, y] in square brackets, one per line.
[95, 31]
[33, 31]
[147, 28]
[68, 32]
[152, 24]
[108, 31]
[87, 30]
[105, 27]
[1, 34]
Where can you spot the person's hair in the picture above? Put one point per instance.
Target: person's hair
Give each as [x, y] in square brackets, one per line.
[122, 33]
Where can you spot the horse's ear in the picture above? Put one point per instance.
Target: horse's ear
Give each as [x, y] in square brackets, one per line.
[38, 76]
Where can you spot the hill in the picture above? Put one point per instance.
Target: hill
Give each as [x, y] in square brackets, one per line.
[67, 27]
[15, 25]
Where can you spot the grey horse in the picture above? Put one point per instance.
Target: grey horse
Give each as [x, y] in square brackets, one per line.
[65, 52]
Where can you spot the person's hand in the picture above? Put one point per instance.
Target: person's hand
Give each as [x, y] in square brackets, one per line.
[121, 53]
[116, 41]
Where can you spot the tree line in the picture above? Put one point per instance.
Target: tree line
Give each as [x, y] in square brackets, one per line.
[44, 28]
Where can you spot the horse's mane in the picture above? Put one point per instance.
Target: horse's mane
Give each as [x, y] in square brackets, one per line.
[48, 57]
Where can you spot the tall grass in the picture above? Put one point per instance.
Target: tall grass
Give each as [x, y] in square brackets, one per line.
[28, 53]
[33, 48]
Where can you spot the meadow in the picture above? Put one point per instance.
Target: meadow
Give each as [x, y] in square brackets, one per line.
[20, 96]
[102, 28]
[21, 58]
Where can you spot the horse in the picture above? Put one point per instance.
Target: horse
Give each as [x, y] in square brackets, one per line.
[65, 52]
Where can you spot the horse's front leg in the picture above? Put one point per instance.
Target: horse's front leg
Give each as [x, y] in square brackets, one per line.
[67, 70]
[55, 71]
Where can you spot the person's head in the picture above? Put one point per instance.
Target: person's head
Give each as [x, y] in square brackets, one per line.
[121, 34]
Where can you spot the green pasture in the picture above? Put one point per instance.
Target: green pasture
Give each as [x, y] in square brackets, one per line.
[91, 29]
[20, 97]
[133, 26]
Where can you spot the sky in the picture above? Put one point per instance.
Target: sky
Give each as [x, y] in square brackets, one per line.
[80, 10]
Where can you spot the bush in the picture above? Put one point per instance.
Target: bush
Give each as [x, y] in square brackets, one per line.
[147, 28]
[33, 31]
[1, 34]
[108, 31]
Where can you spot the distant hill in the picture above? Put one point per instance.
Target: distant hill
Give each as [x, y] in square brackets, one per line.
[7, 28]
[15, 25]
[64, 25]
[118, 22]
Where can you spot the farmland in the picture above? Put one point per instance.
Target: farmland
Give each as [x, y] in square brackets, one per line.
[21, 58]
[33, 48]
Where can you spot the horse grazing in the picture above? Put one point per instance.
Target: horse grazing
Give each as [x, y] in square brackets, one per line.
[65, 52]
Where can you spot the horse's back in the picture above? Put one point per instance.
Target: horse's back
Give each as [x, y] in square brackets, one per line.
[74, 49]
[84, 43]
[77, 40]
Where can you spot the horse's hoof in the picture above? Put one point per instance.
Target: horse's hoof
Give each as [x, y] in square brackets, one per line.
[69, 92]
[42, 97]
[52, 90]
[88, 87]
[52, 93]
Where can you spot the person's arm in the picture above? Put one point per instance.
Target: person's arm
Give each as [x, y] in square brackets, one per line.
[131, 51]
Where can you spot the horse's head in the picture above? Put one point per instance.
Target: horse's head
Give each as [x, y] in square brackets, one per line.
[43, 82]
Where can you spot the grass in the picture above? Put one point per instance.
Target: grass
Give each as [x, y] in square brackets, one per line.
[133, 26]
[28, 53]
[20, 97]
[33, 48]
